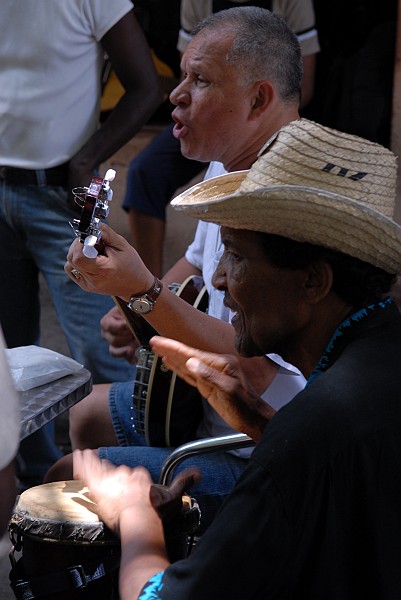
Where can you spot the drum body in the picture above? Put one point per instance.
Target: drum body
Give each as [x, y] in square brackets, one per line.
[63, 544]
[66, 552]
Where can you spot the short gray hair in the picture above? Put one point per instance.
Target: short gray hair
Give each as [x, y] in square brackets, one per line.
[264, 47]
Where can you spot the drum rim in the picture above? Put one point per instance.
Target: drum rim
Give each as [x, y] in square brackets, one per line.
[52, 530]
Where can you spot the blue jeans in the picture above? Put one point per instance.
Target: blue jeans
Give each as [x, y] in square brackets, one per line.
[220, 470]
[35, 236]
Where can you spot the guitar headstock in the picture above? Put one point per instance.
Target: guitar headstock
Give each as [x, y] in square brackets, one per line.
[94, 201]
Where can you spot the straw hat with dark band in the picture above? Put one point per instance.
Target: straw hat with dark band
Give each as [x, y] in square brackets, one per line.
[311, 184]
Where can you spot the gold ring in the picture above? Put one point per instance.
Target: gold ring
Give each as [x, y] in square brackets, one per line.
[75, 273]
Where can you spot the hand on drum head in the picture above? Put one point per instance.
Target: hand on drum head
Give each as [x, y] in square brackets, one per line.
[167, 501]
[118, 489]
[113, 489]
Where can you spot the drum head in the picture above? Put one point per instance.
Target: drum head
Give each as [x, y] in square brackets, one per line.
[60, 511]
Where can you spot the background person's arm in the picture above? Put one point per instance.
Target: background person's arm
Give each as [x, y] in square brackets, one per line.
[129, 53]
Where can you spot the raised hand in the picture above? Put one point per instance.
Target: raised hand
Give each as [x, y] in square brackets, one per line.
[117, 270]
[220, 379]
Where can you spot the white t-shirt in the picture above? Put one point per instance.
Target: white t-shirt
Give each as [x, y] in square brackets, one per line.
[204, 254]
[10, 421]
[298, 14]
[51, 62]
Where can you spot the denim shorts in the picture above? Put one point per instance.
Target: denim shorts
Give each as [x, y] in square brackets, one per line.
[220, 470]
[121, 412]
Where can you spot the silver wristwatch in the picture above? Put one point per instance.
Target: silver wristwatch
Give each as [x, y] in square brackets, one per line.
[142, 304]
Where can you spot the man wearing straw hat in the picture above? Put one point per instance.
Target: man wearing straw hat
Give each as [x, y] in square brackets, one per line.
[243, 72]
[311, 252]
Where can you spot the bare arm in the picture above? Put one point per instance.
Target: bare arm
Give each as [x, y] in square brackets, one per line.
[114, 327]
[130, 56]
[121, 272]
[122, 502]
[180, 271]
[133, 508]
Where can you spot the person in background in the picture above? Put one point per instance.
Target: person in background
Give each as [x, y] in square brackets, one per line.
[51, 142]
[298, 14]
[160, 169]
[310, 253]
[226, 109]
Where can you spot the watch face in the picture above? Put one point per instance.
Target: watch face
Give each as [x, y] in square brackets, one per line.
[141, 306]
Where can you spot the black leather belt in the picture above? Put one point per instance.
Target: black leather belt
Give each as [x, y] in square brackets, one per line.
[56, 176]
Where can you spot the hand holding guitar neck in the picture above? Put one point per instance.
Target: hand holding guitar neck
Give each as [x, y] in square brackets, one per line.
[94, 201]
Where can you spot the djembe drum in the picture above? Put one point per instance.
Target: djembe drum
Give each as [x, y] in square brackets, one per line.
[67, 552]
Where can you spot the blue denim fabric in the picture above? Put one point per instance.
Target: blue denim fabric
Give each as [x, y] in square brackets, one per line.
[35, 236]
[220, 470]
[121, 412]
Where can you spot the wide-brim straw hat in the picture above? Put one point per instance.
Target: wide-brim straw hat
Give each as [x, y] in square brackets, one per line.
[311, 184]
